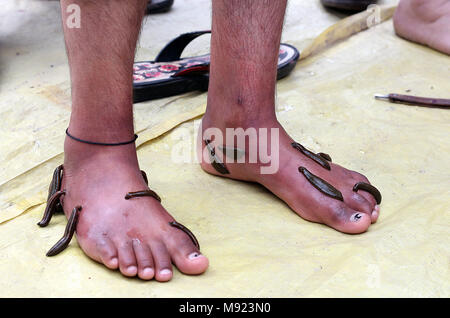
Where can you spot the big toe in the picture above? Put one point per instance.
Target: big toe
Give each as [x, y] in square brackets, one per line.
[185, 254]
[349, 221]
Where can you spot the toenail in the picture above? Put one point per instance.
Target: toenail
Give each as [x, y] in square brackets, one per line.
[148, 271]
[355, 217]
[377, 207]
[131, 269]
[114, 261]
[165, 272]
[193, 255]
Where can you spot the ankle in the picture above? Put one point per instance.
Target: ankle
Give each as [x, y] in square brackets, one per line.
[78, 154]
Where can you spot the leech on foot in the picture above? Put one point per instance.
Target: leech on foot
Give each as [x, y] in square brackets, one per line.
[144, 175]
[233, 153]
[325, 156]
[215, 161]
[68, 233]
[55, 184]
[321, 184]
[369, 188]
[311, 155]
[143, 193]
[50, 209]
[187, 231]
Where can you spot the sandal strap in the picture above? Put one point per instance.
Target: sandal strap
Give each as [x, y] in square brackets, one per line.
[172, 51]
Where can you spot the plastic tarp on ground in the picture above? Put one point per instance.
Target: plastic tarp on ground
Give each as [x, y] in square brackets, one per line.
[257, 246]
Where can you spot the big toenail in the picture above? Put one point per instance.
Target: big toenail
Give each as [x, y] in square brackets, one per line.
[193, 255]
[165, 272]
[355, 217]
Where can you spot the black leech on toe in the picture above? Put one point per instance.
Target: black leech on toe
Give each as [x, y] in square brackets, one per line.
[187, 231]
[311, 155]
[321, 184]
[369, 188]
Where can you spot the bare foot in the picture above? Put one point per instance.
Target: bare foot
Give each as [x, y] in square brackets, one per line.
[424, 21]
[132, 235]
[352, 215]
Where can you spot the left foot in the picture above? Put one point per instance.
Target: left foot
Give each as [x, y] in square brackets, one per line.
[352, 215]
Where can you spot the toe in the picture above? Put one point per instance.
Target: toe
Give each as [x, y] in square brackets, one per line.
[349, 221]
[107, 252]
[146, 268]
[127, 259]
[359, 203]
[163, 264]
[185, 254]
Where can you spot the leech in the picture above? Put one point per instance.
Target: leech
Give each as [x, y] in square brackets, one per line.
[215, 161]
[233, 153]
[311, 155]
[187, 231]
[144, 175]
[50, 209]
[321, 184]
[369, 188]
[68, 233]
[143, 193]
[325, 156]
[55, 184]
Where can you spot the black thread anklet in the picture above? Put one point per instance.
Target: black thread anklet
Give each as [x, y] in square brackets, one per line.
[101, 143]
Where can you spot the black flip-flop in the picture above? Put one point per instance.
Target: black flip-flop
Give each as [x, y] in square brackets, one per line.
[159, 6]
[348, 5]
[170, 75]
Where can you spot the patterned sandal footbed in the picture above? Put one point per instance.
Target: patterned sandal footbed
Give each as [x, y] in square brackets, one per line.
[54, 206]
[321, 159]
[169, 74]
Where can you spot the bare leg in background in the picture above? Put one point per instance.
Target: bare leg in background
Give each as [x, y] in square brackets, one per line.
[244, 52]
[132, 235]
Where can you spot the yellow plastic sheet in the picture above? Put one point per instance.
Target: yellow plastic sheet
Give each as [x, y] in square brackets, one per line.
[257, 246]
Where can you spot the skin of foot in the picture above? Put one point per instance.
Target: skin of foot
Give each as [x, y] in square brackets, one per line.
[242, 95]
[424, 21]
[132, 235]
[353, 215]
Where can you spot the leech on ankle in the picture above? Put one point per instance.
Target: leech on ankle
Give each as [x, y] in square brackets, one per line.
[311, 155]
[143, 193]
[215, 161]
[321, 184]
[325, 156]
[233, 153]
[369, 188]
[144, 175]
[68, 233]
[187, 231]
[50, 209]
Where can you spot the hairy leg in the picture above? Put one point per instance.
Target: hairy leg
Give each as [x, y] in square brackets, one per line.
[244, 51]
[424, 21]
[133, 235]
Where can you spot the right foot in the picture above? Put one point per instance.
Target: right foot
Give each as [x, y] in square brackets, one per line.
[424, 21]
[132, 235]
